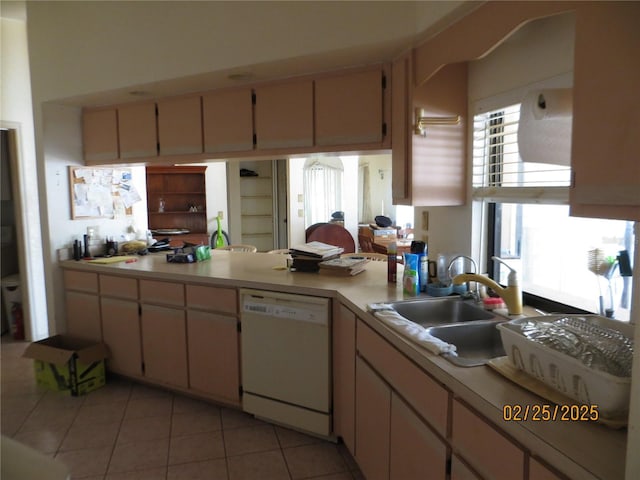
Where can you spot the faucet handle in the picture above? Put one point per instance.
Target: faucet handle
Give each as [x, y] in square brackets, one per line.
[512, 279]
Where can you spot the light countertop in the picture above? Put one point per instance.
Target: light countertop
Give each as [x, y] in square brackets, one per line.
[580, 449]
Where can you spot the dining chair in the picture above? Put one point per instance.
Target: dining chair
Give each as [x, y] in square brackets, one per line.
[239, 248]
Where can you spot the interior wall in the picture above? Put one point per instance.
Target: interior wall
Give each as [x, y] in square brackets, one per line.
[216, 181]
[17, 114]
[540, 50]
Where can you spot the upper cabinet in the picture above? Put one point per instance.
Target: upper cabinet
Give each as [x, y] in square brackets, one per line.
[315, 113]
[227, 117]
[284, 115]
[100, 135]
[429, 167]
[349, 108]
[137, 131]
[180, 125]
[606, 111]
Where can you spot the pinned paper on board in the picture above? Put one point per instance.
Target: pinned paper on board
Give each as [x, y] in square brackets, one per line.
[101, 192]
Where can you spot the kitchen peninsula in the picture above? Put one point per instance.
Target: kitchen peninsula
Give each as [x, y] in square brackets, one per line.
[177, 325]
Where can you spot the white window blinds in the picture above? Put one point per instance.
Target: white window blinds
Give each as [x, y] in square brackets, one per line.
[500, 175]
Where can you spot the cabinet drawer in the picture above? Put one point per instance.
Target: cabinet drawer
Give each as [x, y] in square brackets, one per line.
[424, 394]
[162, 293]
[215, 299]
[81, 281]
[478, 442]
[119, 287]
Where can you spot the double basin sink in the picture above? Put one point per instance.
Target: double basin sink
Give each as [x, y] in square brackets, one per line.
[462, 323]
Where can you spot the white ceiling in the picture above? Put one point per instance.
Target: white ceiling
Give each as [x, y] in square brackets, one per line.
[92, 53]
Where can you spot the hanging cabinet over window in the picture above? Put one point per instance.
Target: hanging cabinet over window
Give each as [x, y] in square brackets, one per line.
[284, 115]
[180, 125]
[137, 130]
[349, 108]
[227, 117]
[429, 169]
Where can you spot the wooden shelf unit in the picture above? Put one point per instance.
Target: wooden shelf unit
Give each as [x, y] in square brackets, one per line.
[181, 187]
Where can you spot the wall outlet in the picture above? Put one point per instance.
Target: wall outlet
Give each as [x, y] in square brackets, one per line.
[425, 220]
[300, 212]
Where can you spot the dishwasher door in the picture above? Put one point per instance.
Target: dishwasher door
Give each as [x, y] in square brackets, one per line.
[285, 343]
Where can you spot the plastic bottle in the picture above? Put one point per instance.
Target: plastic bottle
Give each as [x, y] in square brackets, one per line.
[219, 239]
[420, 248]
[410, 282]
[392, 262]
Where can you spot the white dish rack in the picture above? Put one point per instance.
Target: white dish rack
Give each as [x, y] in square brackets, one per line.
[567, 374]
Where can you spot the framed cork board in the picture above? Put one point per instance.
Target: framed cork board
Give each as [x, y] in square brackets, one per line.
[101, 192]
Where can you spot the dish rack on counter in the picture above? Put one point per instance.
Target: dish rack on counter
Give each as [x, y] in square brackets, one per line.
[588, 358]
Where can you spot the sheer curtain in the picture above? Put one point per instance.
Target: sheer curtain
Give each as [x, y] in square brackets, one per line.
[367, 211]
[322, 188]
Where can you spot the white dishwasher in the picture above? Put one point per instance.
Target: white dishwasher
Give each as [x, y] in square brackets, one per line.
[285, 356]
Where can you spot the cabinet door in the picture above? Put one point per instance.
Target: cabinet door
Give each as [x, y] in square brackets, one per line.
[137, 130]
[416, 452]
[284, 115]
[477, 442]
[100, 136]
[180, 125]
[459, 471]
[373, 416]
[214, 362]
[121, 333]
[344, 375]
[537, 471]
[348, 109]
[83, 315]
[606, 112]
[400, 117]
[164, 345]
[228, 121]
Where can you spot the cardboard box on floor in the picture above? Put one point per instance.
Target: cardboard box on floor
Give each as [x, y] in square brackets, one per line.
[65, 363]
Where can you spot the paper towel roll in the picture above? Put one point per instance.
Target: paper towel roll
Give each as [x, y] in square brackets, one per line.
[544, 129]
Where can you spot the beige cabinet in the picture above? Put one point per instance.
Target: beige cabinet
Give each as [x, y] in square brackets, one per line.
[137, 130]
[180, 125]
[477, 442]
[82, 305]
[373, 416]
[284, 115]
[164, 345]
[100, 135]
[120, 314]
[214, 367]
[164, 336]
[344, 374]
[606, 112]
[460, 471]
[415, 451]
[429, 169]
[227, 117]
[349, 108]
[538, 471]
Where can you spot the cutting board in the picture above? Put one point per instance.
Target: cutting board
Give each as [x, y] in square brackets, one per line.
[107, 260]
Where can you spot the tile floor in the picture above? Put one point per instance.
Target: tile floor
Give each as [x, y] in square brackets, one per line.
[127, 430]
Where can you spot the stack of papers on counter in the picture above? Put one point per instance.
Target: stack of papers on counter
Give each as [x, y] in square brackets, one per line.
[343, 266]
[316, 249]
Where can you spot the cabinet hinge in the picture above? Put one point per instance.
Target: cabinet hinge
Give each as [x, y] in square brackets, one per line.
[384, 82]
[239, 327]
[448, 467]
[143, 368]
[240, 390]
[156, 110]
[573, 179]
[384, 129]
[139, 310]
[255, 139]
[253, 98]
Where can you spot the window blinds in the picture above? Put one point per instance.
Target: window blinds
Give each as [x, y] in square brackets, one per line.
[500, 175]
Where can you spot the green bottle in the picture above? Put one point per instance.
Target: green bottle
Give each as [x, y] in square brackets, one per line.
[219, 239]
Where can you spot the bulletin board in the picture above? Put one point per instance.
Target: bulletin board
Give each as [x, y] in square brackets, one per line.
[101, 192]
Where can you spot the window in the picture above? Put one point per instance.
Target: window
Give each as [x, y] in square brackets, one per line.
[527, 223]
[323, 189]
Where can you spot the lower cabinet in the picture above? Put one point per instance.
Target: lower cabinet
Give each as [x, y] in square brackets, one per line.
[83, 315]
[344, 374]
[121, 333]
[459, 471]
[212, 341]
[164, 345]
[416, 452]
[373, 422]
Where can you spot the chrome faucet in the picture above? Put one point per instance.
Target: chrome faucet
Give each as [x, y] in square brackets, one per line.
[469, 293]
[511, 294]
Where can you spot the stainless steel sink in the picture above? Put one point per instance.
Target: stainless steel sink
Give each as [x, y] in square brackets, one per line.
[437, 311]
[476, 342]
